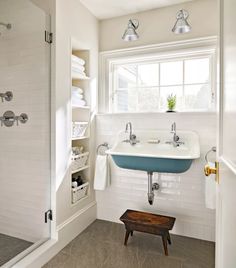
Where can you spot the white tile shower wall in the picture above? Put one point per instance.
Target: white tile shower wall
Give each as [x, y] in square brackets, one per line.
[180, 195]
[25, 149]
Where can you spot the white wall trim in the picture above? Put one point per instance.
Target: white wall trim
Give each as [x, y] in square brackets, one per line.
[77, 214]
[191, 47]
[203, 41]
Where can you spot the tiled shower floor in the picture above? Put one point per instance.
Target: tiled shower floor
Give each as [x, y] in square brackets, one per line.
[10, 247]
[101, 246]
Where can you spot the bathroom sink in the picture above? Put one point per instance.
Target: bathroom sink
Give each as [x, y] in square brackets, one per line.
[153, 154]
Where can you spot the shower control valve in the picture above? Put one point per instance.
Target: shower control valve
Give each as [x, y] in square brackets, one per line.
[9, 118]
[7, 96]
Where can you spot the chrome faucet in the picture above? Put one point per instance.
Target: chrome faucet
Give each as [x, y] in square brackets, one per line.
[173, 131]
[132, 137]
[129, 127]
[175, 140]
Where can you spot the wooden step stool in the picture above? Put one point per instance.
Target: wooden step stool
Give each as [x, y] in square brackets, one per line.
[148, 223]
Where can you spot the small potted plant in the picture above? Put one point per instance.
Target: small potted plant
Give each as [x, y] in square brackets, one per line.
[171, 103]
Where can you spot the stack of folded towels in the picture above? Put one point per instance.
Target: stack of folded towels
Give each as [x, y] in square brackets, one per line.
[77, 65]
[77, 96]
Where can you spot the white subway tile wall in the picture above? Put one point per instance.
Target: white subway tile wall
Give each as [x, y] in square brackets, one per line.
[180, 195]
[25, 149]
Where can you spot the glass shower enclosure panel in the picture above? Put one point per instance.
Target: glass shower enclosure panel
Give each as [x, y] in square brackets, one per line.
[24, 128]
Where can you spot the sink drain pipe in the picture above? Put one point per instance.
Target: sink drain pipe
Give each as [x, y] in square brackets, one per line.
[151, 188]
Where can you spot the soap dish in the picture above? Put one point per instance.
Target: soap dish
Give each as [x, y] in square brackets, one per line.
[154, 141]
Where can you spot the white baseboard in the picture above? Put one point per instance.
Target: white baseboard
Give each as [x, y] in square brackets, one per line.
[67, 231]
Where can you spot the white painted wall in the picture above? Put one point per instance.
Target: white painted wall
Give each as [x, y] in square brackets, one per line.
[181, 196]
[155, 25]
[25, 149]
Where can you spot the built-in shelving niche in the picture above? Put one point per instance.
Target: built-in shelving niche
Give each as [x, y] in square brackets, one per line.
[81, 114]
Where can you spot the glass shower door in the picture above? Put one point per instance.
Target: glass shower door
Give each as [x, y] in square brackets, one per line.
[25, 127]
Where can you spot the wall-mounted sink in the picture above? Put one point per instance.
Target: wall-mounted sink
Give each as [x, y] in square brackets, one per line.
[155, 151]
[153, 154]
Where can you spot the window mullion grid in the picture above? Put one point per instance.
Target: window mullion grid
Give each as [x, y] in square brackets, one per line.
[158, 86]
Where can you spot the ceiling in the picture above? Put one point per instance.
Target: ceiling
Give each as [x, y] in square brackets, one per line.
[104, 9]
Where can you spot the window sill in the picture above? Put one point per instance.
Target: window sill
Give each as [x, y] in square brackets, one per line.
[158, 113]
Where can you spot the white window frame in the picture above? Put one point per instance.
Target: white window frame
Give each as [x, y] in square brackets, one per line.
[194, 48]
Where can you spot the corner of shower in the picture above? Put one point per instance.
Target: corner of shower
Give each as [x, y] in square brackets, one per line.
[25, 185]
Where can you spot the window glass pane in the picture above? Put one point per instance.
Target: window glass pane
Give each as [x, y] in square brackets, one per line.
[126, 100]
[126, 76]
[121, 101]
[174, 90]
[171, 73]
[137, 87]
[148, 74]
[148, 99]
[197, 97]
[197, 71]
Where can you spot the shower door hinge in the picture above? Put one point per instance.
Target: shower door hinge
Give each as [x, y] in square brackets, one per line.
[48, 216]
[48, 37]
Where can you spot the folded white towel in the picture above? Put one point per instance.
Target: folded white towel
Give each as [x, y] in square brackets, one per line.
[77, 59]
[77, 66]
[77, 89]
[102, 173]
[77, 102]
[78, 71]
[77, 95]
[210, 190]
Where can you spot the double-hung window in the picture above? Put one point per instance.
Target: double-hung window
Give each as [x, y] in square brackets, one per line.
[144, 84]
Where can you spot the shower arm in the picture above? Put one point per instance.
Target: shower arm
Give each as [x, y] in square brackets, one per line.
[7, 25]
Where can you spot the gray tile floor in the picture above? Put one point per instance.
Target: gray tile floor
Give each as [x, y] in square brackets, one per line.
[101, 246]
[10, 247]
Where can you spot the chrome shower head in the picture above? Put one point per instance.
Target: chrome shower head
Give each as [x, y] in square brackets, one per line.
[7, 25]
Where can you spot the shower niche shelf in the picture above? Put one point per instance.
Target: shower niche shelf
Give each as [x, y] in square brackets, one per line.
[80, 113]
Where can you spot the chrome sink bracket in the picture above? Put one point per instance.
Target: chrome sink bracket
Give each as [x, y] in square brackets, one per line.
[9, 118]
[7, 96]
[151, 187]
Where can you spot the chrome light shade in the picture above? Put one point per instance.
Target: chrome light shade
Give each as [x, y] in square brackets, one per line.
[181, 25]
[130, 33]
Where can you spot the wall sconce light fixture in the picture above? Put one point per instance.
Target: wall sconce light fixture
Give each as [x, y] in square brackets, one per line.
[130, 33]
[181, 26]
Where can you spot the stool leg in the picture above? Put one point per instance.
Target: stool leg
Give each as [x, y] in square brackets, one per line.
[164, 242]
[168, 238]
[126, 237]
[132, 232]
